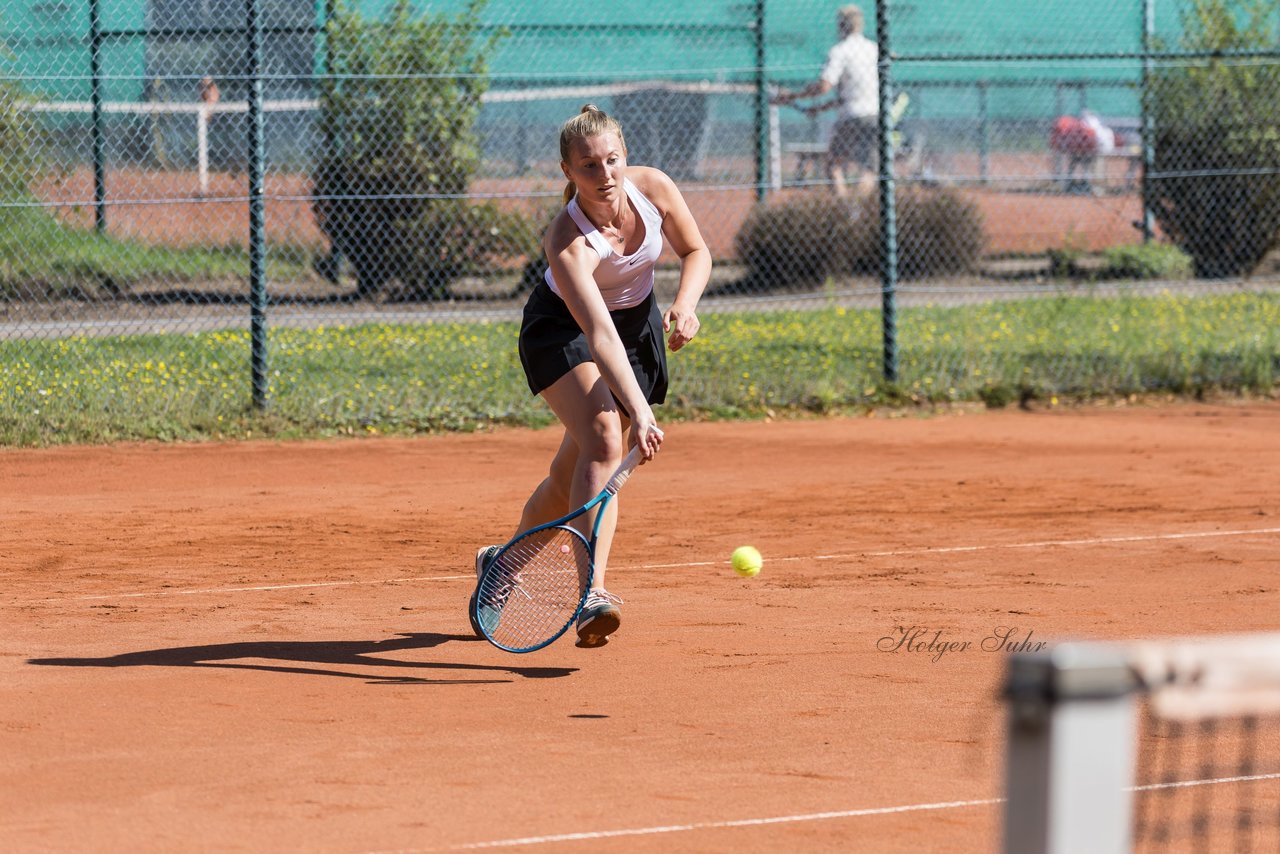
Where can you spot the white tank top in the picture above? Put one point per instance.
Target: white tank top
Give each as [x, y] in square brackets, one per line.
[624, 280]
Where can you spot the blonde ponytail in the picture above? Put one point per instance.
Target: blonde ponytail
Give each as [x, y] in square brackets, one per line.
[590, 121]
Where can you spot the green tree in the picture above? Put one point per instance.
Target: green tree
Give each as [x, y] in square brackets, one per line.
[397, 117]
[1216, 178]
[19, 136]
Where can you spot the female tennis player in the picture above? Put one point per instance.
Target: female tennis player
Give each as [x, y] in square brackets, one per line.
[591, 340]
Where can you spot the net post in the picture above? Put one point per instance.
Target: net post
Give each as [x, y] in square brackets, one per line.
[1071, 748]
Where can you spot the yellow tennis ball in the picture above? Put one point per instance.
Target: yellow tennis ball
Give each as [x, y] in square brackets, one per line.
[747, 561]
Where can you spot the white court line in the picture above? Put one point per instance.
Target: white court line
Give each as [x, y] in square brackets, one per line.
[1183, 784]
[1095, 541]
[820, 816]
[928, 550]
[712, 825]
[261, 587]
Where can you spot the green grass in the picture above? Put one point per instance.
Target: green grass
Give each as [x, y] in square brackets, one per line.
[382, 378]
[1071, 346]
[85, 261]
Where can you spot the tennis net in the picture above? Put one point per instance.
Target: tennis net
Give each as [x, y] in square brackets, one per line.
[1154, 746]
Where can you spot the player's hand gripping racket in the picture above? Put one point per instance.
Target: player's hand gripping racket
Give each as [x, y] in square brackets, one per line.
[532, 590]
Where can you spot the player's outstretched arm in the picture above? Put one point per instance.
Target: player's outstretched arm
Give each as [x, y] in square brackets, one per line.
[573, 265]
[682, 232]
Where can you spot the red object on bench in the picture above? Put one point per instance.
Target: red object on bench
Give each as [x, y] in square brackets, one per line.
[1070, 135]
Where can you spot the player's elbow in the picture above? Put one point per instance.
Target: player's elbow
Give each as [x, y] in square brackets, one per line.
[696, 254]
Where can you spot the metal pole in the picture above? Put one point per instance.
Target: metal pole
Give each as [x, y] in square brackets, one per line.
[202, 148]
[257, 237]
[888, 218]
[95, 98]
[334, 262]
[324, 29]
[761, 106]
[1148, 126]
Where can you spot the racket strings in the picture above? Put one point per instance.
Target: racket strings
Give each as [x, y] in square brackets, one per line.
[533, 587]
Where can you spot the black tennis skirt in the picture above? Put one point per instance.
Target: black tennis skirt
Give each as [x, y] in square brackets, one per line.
[552, 344]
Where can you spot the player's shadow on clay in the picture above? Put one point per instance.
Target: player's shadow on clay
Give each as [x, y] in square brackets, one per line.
[299, 656]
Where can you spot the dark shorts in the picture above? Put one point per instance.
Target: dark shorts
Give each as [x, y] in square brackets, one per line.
[552, 344]
[854, 138]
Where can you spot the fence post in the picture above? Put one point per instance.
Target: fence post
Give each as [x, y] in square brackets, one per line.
[257, 237]
[1148, 127]
[202, 148]
[888, 219]
[984, 131]
[761, 106]
[95, 98]
[334, 262]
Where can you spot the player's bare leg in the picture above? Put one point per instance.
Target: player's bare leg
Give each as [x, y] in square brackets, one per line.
[589, 454]
[550, 500]
[867, 182]
[593, 422]
[835, 171]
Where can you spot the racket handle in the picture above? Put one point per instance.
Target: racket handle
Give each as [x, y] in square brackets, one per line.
[628, 465]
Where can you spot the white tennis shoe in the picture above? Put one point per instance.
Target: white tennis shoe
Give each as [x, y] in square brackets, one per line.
[599, 618]
[496, 599]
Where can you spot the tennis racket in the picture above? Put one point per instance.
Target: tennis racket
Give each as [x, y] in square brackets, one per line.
[531, 591]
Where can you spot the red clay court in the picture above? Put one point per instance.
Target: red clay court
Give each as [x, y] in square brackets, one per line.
[260, 646]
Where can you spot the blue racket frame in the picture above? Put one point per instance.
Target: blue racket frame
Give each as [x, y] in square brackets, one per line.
[606, 495]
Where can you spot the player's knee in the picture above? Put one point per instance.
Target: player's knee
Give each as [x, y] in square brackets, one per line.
[606, 443]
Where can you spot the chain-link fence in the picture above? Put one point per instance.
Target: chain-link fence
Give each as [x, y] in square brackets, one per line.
[331, 211]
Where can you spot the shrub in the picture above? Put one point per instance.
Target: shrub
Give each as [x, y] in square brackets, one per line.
[805, 239]
[397, 117]
[801, 240]
[939, 232]
[1215, 188]
[1064, 261]
[1146, 261]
